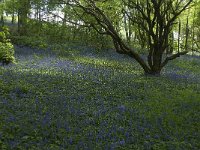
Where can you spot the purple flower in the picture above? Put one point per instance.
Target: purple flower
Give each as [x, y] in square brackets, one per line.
[122, 142]
[121, 108]
[70, 141]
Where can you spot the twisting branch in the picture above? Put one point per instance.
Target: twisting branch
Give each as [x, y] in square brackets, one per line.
[172, 57]
[154, 17]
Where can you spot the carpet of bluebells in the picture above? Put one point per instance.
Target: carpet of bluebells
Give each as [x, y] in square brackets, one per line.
[84, 99]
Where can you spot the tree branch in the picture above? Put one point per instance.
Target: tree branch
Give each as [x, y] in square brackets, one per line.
[172, 57]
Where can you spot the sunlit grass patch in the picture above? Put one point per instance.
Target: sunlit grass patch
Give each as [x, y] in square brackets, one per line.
[191, 64]
[113, 64]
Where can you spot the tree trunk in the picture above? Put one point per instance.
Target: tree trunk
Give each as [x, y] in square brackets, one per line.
[23, 17]
[2, 20]
[13, 18]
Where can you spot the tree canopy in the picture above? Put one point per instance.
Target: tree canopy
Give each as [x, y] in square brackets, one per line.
[161, 29]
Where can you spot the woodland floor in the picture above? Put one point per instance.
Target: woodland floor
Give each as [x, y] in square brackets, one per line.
[82, 99]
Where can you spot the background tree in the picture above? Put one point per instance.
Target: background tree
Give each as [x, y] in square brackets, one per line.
[23, 11]
[2, 10]
[155, 17]
[196, 27]
[11, 8]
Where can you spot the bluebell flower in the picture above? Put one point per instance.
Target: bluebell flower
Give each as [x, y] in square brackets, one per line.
[122, 142]
[122, 108]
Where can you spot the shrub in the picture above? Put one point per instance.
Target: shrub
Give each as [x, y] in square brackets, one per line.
[6, 47]
[33, 42]
[3, 37]
[6, 53]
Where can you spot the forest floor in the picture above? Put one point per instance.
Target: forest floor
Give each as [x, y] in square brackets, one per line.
[87, 100]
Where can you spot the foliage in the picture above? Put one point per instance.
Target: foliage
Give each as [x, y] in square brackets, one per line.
[6, 48]
[197, 26]
[30, 41]
[6, 53]
[39, 35]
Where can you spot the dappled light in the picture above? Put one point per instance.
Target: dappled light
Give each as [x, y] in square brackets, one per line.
[105, 74]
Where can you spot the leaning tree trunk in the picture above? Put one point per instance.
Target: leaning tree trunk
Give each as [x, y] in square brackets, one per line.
[152, 16]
